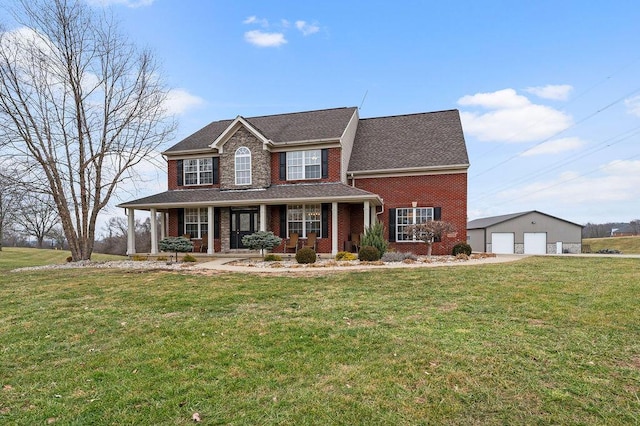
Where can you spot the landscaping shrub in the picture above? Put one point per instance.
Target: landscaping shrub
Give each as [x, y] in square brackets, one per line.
[374, 236]
[189, 258]
[345, 255]
[261, 240]
[272, 258]
[138, 258]
[369, 254]
[162, 258]
[306, 255]
[396, 256]
[461, 248]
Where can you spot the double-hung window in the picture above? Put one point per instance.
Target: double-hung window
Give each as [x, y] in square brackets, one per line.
[243, 166]
[304, 219]
[304, 165]
[196, 222]
[407, 217]
[198, 171]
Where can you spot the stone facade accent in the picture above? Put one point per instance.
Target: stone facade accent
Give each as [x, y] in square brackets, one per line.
[260, 161]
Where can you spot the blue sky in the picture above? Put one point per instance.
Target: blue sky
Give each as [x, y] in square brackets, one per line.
[548, 91]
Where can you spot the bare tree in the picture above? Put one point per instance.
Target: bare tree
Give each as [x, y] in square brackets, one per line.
[114, 241]
[635, 226]
[79, 107]
[9, 197]
[430, 231]
[37, 216]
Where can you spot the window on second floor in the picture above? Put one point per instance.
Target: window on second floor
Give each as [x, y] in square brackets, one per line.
[243, 166]
[198, 171]
[304, 165]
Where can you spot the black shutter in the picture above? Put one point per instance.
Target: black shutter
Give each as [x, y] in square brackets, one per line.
[325, 163]
[180, 222]
[283, 221]
[180, 173]
[283, 166]
[392, 225]
[216, 170]
[324, 232]
[437, 215]
[216, 222]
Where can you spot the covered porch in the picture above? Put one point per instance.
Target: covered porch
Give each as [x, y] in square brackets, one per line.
[216, 220]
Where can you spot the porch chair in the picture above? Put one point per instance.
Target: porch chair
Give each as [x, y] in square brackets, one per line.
[355, 241]
[292, 243]
[204, 243]
[311, 241]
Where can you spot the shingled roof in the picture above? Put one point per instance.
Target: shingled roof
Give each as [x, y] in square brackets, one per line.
[277, 194]
[324, 124]
[414, 141]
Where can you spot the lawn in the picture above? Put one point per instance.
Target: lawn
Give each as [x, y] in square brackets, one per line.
[545, 340]
[627, 245]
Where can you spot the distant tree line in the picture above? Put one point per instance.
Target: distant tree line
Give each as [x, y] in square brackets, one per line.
[601, 230]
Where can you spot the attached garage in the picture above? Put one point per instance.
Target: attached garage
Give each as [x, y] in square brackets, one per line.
[502, 242]
[530, 232]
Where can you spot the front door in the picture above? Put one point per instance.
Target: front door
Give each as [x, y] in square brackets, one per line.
[243, 222]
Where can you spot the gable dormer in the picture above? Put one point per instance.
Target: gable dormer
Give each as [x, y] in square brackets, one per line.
[244, 157]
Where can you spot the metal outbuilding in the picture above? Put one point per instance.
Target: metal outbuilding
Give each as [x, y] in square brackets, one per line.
[530, 232]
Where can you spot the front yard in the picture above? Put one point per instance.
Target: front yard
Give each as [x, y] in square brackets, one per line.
[543, 340]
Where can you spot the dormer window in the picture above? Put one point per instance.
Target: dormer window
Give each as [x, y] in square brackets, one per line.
[304, 165]
[243, 166]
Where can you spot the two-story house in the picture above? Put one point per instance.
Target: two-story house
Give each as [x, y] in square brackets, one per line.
[326, 172]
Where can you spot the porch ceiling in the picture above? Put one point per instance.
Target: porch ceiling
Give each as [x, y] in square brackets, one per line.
[277, 194]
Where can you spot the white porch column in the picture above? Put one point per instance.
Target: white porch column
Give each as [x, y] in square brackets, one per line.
[154, 231]
[210, 230]
[263, 217]
[131, 232]
[163, 225]
[334, 228]
[367, 215]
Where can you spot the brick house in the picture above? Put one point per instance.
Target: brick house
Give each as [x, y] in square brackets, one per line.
[328, 172]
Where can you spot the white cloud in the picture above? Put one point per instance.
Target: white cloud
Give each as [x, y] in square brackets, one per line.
[127, 3]
[618, 181]
[557, 92]
[633, 105]
[179, 101]
[264, 39]
[255, 20]
[306, 28]
[555, 146]
[512, 117]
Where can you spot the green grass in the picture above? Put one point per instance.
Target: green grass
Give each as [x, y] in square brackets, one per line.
[627, 245]
[545, 340]
[17, 257]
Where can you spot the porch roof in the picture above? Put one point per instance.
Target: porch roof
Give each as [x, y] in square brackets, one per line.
[273, 195]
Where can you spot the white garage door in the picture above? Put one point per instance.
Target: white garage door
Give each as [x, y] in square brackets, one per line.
[502, 242]
[535, 242]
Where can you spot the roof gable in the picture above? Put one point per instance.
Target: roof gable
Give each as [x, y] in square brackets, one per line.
[414, 141]
[232, 128]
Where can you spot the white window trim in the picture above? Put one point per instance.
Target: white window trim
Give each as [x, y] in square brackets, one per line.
[304, 164]
[200, 222]
[303, 234]
[235, 161]
[414, 209]
[198, 172]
